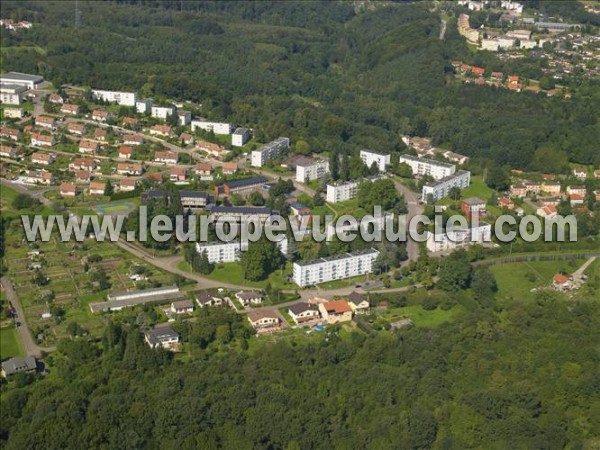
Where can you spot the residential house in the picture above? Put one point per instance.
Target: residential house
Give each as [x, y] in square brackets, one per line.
[125, 152]
[580, 173]
[358, 302]
[497, 76]
[186, 138]
[562, 282]
[10, 133]
[182, 307]
[97, 188]
[518, 190]
[597, 174]
[161, 130]
[76, 128]
[162, 336]
[166, 157]
[86, 163]
[130, 169]
[264, 320]
[597, 195]
[128, 184]
[55, 99]
[101, 134]
[10, 152]
[133, 139]
[87, 146]
[68, 189]
[249, 297]
[45, 122]
[69, 108]
[533, 187]
[551, 188]
[101, 116]
[42, 140]
[131, 122]
[206, 298]
[478, 71]
[576, 190]
[18, 364]
[230, 168]
[39, 177]
[212, 149]
[204, 171]
[547, 212]
[42, 158]
[303, 312]
[336, 311]
[178, 174]
[506, 202]
[83, 176]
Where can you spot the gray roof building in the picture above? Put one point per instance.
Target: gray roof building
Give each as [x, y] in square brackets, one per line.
[18, 364]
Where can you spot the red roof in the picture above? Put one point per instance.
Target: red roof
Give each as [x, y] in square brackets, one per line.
[337, 306]
[559, 278]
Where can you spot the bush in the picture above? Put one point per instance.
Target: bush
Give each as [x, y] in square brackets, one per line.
[429, 304]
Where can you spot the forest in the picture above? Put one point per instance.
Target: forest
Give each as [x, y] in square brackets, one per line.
[331, 77]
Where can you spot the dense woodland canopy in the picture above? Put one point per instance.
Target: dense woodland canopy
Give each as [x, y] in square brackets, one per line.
[323, 73]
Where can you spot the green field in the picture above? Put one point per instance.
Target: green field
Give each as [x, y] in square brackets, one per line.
[423, 318]
[9, 343]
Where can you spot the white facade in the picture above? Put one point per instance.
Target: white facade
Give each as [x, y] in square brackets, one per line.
[121, 98]
[11, 94]
[240, 136]
[131, 295]
[312, 170]
[381, 159]
[162, 112]
[490, 44]
[506, 42]
[340, 192]
[441, 188]
[334, 268]
[144, 106]
[456, 238]
[220, 252]
[269, 151]
[22, 79]
[215, 127]
[185, 118]
[423, 166]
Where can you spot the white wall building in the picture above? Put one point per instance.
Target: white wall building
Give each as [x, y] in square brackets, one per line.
[21, 79]
[220, 252]
[143, 293]
[162, 112]
[339, 192]
[215, 127]
[144, 105]
[441, 188]
[11, 94]
[185, 118]
[490, 44]
[311, 170]
[381, 159]
[269, 151]
[334, 267]
[457, 238]
[121, 98]
[240, 136]
[423, 166]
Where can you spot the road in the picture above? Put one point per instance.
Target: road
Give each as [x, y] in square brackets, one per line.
[38, 193]
[579, 272]
[29, 346]
[443, 30]
[414, 208]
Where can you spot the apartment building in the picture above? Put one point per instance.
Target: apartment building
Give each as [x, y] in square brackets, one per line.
[220, 252]
[240, 213]
[269, 151]
[144, 105]
[195, 200]
[215, 127]
[121, 98]
[240, 136]
[440, 189]
[309, 169]
[335, 267]
[457, 238]
[382, 160]
[11, 94]
[162, 112]
[342, 191]
[242, 187]
[423, 166]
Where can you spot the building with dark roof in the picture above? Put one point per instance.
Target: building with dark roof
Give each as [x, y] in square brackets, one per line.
[162, 336]
[18, 364]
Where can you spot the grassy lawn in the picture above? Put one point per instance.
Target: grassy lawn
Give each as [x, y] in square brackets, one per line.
[348, 282]
[232, 273]
[423, 318]
[9, 343]
[478, 188]
[516, 280]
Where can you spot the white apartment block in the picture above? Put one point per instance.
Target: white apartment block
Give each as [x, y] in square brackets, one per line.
[269, 151]
[490, 44]
[220, 252]
[334, 267]
[162, 112]
[423, 166]
[121, 98]
[215, 127]
[339, 192]
[240, 136]
[184, 118]
[381, 159]
[440, 189]
[311, 170]
[11, 94]
[457, 238]
[144, 106]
